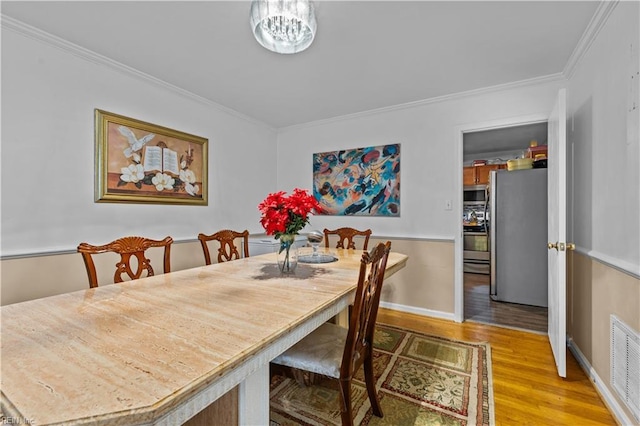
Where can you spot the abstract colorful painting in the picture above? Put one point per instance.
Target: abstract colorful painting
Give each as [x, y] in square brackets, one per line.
[362, 181]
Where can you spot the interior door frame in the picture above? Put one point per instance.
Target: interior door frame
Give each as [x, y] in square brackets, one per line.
[459, 131]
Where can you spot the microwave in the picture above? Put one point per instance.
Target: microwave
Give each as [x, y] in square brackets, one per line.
[475, 194]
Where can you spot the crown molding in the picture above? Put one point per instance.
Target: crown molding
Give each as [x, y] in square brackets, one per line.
[589, 35]
[476, 92]
[91, 56]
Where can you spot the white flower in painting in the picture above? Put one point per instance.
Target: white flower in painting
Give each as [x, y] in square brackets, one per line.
[187, 176]
[183, 165]
[163, 181]
[133, 173]
[191, 189]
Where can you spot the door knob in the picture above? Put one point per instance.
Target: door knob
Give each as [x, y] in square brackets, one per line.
[561, 246]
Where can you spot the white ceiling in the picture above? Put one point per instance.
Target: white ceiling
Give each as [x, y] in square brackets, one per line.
[367, 54]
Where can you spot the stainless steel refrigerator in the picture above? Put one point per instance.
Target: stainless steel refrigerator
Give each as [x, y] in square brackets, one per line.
[518, 236]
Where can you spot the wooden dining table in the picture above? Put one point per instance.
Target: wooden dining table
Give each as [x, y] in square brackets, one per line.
[162, 349]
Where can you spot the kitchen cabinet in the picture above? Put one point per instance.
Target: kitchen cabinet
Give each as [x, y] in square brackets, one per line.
[479, 175]
[483, 172]
[469, 176]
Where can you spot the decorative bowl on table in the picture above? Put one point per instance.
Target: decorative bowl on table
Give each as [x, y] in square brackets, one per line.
[315, 238]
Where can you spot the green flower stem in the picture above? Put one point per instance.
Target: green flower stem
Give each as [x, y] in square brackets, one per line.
[286, 241]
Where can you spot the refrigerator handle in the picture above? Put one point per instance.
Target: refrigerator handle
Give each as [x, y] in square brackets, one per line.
[486, 207]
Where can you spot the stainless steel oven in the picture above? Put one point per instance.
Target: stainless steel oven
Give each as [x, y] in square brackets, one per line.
[477, 258]
[475, 220]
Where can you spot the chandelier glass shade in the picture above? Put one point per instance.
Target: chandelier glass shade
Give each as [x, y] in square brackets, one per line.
[283, 26]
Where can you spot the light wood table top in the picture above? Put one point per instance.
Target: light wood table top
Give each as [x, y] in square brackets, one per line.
[159, 349]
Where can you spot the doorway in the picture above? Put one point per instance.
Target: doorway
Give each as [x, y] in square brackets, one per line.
[479, 307]
[490, 149]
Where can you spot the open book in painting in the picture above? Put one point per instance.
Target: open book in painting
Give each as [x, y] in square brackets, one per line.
[160, 159]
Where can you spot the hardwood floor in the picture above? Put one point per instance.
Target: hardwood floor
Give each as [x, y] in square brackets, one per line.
[479, 307]
[526, 387]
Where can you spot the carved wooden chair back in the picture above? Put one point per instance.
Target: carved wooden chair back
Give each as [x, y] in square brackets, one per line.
[346, 237]
[127, 248]
[332, 351]
[365, 305]
[227, 248]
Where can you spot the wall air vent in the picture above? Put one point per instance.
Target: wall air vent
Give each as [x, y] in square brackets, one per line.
[625, 364]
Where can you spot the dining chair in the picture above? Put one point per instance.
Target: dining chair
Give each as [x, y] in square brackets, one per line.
[227, 248]
[126, 247]
[337, 352]
[346, 235]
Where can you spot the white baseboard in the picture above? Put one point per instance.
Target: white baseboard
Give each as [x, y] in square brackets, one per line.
[418, 311]
[610, 401]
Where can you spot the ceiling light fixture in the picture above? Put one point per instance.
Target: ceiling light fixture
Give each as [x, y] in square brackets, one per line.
[283, 26]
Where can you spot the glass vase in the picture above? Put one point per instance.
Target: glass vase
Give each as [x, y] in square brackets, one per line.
[287, 254]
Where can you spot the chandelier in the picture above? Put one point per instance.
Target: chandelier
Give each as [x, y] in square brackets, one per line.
[283, 26]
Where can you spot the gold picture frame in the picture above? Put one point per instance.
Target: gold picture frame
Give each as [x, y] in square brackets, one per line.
[139, 162]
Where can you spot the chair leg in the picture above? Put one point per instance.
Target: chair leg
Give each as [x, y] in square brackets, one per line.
[370, 380]
[345, 403]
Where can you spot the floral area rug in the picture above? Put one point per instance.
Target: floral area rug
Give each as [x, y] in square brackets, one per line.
[422, 380]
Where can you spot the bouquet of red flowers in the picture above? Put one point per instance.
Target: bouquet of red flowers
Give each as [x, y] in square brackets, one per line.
[282, 214]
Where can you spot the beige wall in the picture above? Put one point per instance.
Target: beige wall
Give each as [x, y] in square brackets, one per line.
[598, 291]
[424, 285]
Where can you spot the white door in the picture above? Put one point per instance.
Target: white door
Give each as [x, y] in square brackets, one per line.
[557, 230]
